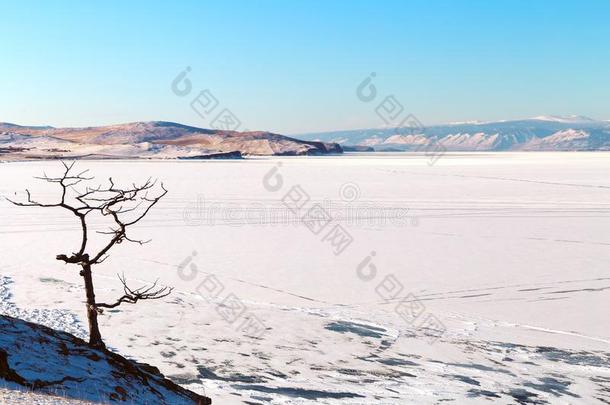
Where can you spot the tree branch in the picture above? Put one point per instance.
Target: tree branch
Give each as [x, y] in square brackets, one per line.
[117, 203]
[131, 296]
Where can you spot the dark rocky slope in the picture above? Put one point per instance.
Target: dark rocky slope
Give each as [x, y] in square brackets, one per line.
[49, 361]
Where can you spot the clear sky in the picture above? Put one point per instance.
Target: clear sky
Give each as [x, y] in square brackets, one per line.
[293, 66]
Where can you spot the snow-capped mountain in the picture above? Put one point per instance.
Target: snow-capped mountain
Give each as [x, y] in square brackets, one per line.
[567, 119]
[538, 133]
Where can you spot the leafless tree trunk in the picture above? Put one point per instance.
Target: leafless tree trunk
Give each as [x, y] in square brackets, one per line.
[125, 207]
[95, 337]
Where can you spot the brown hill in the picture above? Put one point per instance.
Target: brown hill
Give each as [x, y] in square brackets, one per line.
[154, 139]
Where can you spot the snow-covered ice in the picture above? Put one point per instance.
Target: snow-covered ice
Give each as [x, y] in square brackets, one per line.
[508, 252]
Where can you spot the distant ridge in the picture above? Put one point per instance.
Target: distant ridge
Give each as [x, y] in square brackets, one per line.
[150, 139]
[542, 133]
[568, 119]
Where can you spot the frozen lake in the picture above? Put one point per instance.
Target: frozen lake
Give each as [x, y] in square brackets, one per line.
[366, 278]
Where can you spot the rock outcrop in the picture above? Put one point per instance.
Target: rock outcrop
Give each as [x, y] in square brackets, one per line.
[44, 360]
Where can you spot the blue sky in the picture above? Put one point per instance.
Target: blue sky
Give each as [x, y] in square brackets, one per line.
[293, 66]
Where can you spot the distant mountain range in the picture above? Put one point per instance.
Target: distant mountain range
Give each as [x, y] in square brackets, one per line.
[545, 133]
[169, 140]
[156, 139]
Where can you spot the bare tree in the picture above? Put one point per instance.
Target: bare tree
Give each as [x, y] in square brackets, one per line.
[124, 207]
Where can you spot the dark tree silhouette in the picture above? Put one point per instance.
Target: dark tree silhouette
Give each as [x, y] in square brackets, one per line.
[124, 207]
